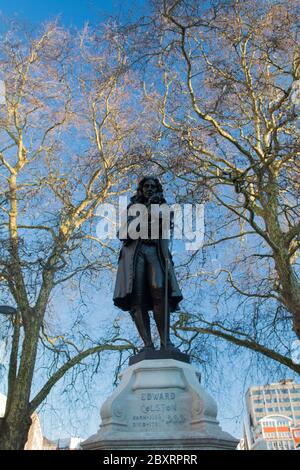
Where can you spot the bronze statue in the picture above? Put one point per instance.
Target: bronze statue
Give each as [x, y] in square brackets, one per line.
[145, 278]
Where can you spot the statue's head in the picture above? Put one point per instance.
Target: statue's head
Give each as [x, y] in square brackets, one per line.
[148, 187]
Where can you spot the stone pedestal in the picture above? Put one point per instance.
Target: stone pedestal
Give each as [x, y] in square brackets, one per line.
[160, 405]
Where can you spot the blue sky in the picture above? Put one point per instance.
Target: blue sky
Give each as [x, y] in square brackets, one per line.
[71, 12]
[74, 12]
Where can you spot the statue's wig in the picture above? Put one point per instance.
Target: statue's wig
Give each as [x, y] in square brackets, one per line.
[138, 197]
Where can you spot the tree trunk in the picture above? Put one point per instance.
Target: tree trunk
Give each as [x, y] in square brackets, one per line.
[290, 289]
[16, 422]
[289, 284]
[14, 430]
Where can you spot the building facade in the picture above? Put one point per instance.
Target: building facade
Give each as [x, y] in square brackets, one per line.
[273, 416]
[35, 440]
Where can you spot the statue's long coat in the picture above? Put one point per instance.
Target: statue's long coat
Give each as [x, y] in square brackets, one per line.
[126, 272]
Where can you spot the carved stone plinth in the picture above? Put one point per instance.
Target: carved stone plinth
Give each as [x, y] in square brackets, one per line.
[160, 404]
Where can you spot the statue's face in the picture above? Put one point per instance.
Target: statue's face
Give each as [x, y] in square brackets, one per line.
[149, 188]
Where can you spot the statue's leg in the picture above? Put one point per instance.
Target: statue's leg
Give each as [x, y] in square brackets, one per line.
[142, 323]
[162, 321]
[138, 311]
[156, 279]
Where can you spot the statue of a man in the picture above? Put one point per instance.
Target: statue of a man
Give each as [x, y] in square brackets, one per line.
[141, 276]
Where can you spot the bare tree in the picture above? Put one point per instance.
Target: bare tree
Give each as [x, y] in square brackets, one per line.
[225, 88]
[67, 130]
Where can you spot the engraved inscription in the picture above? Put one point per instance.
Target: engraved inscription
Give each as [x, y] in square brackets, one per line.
[157, 410]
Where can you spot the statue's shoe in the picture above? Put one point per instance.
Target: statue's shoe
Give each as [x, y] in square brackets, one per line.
[170, 347]
[147, 348]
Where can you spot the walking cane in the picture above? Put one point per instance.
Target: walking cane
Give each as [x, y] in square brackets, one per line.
[166, 299]
[167, 325]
